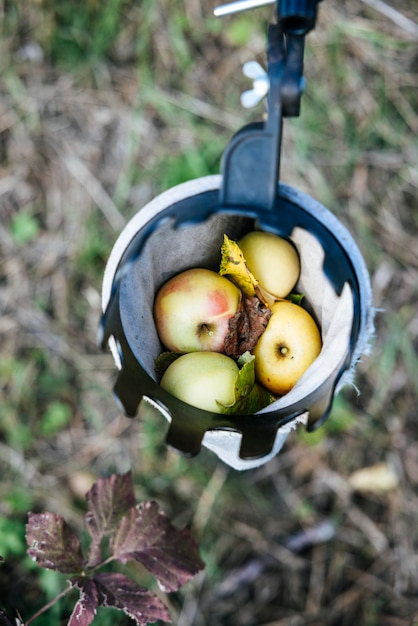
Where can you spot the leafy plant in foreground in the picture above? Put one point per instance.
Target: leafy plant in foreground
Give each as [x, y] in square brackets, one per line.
[120, 530]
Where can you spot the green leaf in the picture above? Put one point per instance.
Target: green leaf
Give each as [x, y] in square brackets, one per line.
[250, 397]
[165, 359]
[56, 416]
[296, 298]
[24, 227]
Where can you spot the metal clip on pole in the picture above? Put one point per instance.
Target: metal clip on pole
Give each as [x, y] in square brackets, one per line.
[254, 152]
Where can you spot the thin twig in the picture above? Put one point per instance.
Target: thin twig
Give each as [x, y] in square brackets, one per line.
[95, 190]
[202, 109]
[48, 606]
[394, 15]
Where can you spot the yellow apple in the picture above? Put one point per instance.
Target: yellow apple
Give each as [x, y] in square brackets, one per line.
[192, 311]
[272, 260]
[288, 346]
[202, 379]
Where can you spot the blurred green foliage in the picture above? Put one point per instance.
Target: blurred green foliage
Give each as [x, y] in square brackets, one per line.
[70, 33]
[25, 415]
[24, 227]
[12, 538]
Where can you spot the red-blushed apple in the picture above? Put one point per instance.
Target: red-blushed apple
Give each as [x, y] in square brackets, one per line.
[273, 261]
[205, 380]
[192, 311]
[288, 346]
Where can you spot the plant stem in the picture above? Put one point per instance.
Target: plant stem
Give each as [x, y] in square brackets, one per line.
[48, 606]
[102, 563]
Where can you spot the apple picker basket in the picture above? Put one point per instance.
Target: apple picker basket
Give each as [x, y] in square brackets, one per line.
[184, 227]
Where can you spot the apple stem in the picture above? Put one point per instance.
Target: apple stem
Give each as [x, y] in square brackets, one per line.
[209, 331]
[283, 350]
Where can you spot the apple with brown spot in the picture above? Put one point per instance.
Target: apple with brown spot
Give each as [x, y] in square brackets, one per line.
[288, 346]
[192, 310]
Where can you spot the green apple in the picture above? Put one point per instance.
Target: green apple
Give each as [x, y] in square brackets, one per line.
[272, 260]
[192, 311]
[289, 345]
[202, 379]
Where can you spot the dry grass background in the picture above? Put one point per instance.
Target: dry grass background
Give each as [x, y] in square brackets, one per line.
[96, 118]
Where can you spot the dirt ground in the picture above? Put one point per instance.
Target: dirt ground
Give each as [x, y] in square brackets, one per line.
[305, 539]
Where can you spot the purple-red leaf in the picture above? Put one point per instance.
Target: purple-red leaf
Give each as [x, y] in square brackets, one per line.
[107, 501]
[120, 592]
[145, 534]
[52, 543]
[86, 608]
